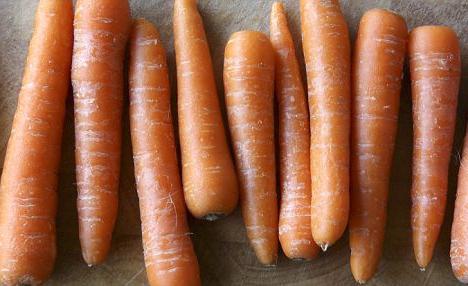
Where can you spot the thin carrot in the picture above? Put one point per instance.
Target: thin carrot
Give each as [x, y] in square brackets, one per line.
[209, 178]
[327, 55]
[28, 198]
[377, 72]
[434, 56]
[169, 255]
[101, 31]
[294, 143]
[249, 82]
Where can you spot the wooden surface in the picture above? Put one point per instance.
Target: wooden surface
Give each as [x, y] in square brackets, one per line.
[222, 248]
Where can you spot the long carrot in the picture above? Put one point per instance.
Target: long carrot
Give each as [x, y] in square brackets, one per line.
[377, 72]
[327, 56]
[101, 31]
[434, 56]
[169, 255]
[294, 143]
[28, 199]
[249, 81]
[209, 178]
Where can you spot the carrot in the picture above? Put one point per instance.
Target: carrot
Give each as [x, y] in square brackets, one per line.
[249, 82]
[169, 255]
[377, 72]
[434, 56]
[209, 178]
[327, 55]
[28, 198]
[294, 143]
[101, 31]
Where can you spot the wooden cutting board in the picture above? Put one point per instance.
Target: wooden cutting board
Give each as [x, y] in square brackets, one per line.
[223, 251]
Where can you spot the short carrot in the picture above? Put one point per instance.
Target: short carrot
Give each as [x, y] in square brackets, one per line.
[209, 178]
[28, 198]
[378, 61]
[434, 56]
[249, 82]
[101, 31]
[327, 55]
[169, 255]
[294, 143]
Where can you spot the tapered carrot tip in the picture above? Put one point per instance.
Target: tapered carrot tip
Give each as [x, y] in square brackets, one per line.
[324, 246]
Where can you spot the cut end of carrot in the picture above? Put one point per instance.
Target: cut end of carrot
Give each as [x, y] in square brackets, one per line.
[324, 246]
[422, 269]
[213, 216]
[361, 281]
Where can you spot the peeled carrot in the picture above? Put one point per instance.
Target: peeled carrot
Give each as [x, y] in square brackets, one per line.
[209, 178]
[169, 255]
[28, 198]
[434, 56]
[249, 82]
[294, 142]
[101, 31]
[327, 55]
[377, 72]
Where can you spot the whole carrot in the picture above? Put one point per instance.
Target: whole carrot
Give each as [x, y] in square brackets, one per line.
[377, 72]
[434, 56]
[28, 198]
[327, 55]
[294, 143]
[248, 81]
[169, 255]
[209, 178]
[101, 31]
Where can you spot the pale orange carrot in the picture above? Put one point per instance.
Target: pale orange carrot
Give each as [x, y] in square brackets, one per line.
[101, 31]
[327, 55]
[209, 178]
[28, 198]
[169, 255]
[434, 56]
[377, 72]
[294, 143]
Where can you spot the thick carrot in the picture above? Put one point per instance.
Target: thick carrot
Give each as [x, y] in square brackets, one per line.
[434, 56]
[209, 178]
[101, 31]
[28, 199]
[327, 55]
[294, 143]
[249, 82]
[377, 72]
[169, 255]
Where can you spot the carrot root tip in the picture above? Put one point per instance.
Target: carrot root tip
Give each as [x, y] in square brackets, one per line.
[422, 269]
[324, 246]
[90, 265]
[361, 281]
[213, 216]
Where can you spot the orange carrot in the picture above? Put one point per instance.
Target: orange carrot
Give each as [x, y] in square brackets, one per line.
[294, 143]
[327, 56]
[377, 73]
[28, 198]
[434, 56]
[248, 81]
[169, 255]
[209, 178]
[101, 30]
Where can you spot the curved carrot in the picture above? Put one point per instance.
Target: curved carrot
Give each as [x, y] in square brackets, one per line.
[248, 81]
[377, 72]
[327, 55]
[435, 76]
[209, 178]
[101, 31]
[169, 255]
[294, 143]
[28, 199]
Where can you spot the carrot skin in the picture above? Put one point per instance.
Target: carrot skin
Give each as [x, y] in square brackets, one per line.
[434, 56]
[169, 255]
[294, 143]
[379, 56]
[101, 31]
[28, 198]
[209, 178]
[327, 55]
[248, 82]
